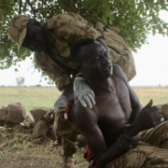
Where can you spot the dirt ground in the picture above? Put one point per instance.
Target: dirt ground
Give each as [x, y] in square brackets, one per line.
[18, 150]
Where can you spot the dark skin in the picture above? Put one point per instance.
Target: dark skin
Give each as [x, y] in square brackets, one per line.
[116, 106]
[149, 117]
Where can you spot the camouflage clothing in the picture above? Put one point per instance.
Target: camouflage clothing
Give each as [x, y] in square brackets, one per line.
[152, 154]
[67, 135]
[66, 132]
[67, 30]
[164, 110]
[17, 31]
[50, 68]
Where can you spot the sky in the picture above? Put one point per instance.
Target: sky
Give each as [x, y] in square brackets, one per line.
[151, 65]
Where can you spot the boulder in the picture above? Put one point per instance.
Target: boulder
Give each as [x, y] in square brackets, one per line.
[44, 119]
[36, 114]
[12, 113]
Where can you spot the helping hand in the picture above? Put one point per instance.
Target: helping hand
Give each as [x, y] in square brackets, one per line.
[84, 93]
[60, 105]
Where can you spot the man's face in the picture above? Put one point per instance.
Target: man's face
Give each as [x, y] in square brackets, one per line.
[34, 39]
[95, 63]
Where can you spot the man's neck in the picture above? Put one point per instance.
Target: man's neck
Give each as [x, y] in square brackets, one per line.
[101, 85]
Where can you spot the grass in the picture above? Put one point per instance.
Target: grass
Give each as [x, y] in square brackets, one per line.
[32, 97]
[159, 95]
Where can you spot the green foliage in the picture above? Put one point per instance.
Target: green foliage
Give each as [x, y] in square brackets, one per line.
[134, 19]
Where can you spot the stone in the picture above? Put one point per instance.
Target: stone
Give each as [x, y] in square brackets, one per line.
[12, 113]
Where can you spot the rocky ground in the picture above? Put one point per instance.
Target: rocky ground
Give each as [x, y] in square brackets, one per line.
[18, 150]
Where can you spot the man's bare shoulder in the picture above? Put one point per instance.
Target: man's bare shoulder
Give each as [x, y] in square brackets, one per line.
[117, 70]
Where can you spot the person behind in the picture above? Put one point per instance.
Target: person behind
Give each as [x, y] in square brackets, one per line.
[46, 43]
[51, 55]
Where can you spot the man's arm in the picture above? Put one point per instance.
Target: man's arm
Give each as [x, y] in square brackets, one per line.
[135, 103]
[81, 89]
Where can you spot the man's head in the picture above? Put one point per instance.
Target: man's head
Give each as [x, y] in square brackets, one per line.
[27, 32]
[94, 60]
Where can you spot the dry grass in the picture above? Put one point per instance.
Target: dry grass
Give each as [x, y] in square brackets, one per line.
[37, 96]
[30, 97]
[159, 95]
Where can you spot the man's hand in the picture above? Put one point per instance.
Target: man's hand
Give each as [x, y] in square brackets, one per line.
[84, 93]
[60, 105]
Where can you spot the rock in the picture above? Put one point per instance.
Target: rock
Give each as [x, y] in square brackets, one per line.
[12, 114]
[143, 156]
[38, 113]
[39, 119]
[34, 115]
[44, 118]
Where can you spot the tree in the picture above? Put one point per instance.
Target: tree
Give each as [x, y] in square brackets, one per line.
[134, 19]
